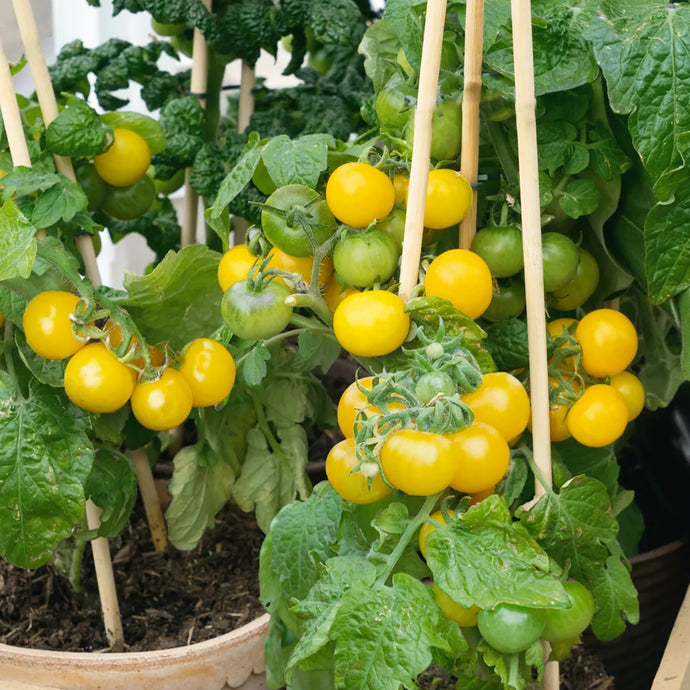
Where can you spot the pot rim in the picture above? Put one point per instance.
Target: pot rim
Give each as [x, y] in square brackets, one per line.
[659, 551]
[252, 629]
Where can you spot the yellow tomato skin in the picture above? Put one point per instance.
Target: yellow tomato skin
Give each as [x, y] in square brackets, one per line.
[95, 380]
[349, 483]
[334, 293]
[209, 369]
[501, 401]
[301, 265]
[464, 617]
[126, 161]
[598, 417]
[162, 404]
[449, 198]
[353, 400]
[482, 457]
[234, 266]
[463, 278]
[47, 325]
[427, 527]
[632, 390]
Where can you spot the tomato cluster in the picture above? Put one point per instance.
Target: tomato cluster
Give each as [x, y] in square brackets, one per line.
[100, 379]
[593, 396]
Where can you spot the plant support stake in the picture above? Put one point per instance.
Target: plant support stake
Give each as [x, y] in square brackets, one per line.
[525, 107]
[421, 146]
[471, 97]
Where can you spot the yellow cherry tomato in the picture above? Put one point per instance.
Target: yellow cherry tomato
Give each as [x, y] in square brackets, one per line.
[126, 161]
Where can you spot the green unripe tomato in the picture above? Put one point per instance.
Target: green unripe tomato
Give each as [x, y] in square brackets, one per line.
[565, 624]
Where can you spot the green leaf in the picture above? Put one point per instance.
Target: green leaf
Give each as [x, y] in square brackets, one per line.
[49, 372]
[319, 609]
[180, 299]
[22, 181]
[200, 487]
[316, 351]
[301, 535]
[45, 460]
[61, 202]
[514, 669]
[239, 177]
[77, 131]
[380, 46]
[17, 243]
[273, 473]
[597, 463]
[374, 649]
[408, 26]
[483, 557]
[615, 600]
[506, 341]
[145, 126]
[333, 20]
[575, 526]
[254, 364]
[580, 198]
[298, 161]
[112, 486]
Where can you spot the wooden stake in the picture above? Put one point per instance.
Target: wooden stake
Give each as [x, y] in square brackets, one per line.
[525, 105]
[151, 499]
[198, 85]
[471, 97]
[245, 105]
[18, 148]
[421, 146]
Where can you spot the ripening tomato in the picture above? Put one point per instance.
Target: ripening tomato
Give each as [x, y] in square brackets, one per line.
[349, 483]
[301, 265]
[509, 628]
[556, 328]
[131, 201]
[366, 259]
[371, 323]
[463, 278]
[565, 624]
[126, 161]
[162, 404]
[234, 265]
[464, 617]
[358, 194]
[501, 401]
[401, 185]
[482, 457]
[209, 369]
[353, 400]
[598, 417]
[115, 339]
[334, 293]
[501, 248]
[608, 340]
[428, 527]
[632, 390]
[48, 327]
[95, 380]
[420, 463]
[560, 260]
[580, 288]
[449, 198]
[2, 319]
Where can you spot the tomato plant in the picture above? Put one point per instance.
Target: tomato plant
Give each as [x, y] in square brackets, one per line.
[365, 260]
[358, 194]
[446, 131]
[95, 380]
[508, 300]
[608, 340]
[371, 324]
[164, 403]
[256, 311]
[580, 287]
[598, 417]
[348, 481]
[126, 160]
[209, 369]
[418, 462]
[48, 326]
[131, 201]
[509, 628]
[448, 199]
[296, 220]
[463, 278]
[561, 258]
[501, 249]
[567, 623]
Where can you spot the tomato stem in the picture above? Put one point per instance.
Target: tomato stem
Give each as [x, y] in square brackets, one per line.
[523, 448]
[410, 531]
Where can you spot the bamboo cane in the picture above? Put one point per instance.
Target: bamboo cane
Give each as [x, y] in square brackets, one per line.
[101, 551]
[150, 499]
[198, 85]
[471, 96]
[421, 146]
[525, 105]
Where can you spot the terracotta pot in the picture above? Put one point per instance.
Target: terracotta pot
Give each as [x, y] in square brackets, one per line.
[661, 577]
[233, 660]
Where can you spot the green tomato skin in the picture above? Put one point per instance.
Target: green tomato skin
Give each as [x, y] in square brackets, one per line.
[167, 29]
[392, 109]
[256, 314]
[508, 302]
[501, 248]
[432, 384]
[92, 184]
[364, 260]
[170, 185]
[560, 258]
[510, 629]
[565, 624]
[578, 290]
[446, 131]
[128, 203]
[280, 223]
[394, 226]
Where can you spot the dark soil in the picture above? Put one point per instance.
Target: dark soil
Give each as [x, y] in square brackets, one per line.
[166, 599]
